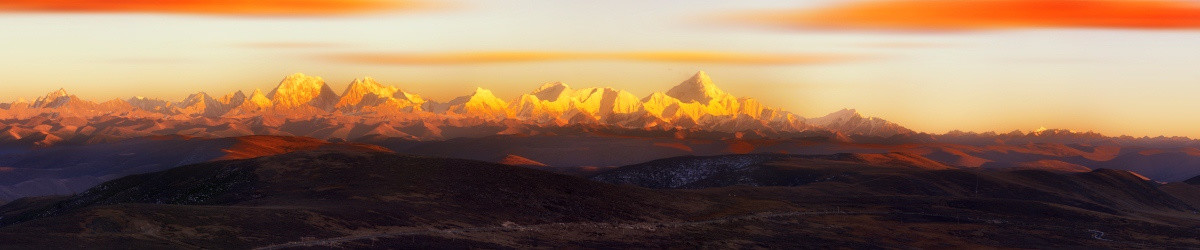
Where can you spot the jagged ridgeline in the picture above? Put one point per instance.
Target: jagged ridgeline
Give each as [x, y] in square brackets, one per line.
[696, 103]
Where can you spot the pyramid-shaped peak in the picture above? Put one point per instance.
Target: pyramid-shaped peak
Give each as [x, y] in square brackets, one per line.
[258, 98]
[699, 79]
[698, 88]
[701, 76]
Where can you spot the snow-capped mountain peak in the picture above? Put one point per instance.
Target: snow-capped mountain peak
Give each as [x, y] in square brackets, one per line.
[299, 90]
[696, 103]
[482, 93]
[837, 116]
[61, 99]
[361, 88]
[698, 88]
[366, 92]
[481, 103]
[552, 91]
[368, 85]
[233, 99]
[257, 97]
[849, 121]
[201, 104]
[50, 98]
[197, 97]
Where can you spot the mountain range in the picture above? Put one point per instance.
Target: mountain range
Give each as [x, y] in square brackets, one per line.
[696, 103]
[559, 167]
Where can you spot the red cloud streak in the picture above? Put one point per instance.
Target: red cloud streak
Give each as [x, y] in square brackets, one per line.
[987, 14]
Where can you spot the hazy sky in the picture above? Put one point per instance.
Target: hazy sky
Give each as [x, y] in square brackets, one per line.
[1124, 68]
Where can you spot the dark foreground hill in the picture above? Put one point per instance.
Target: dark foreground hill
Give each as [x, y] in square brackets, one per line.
[1102, 190]
[322, 193]
[360, 198]
[72, 169]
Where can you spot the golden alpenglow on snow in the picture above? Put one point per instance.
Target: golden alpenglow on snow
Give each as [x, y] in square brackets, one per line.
[706, 124]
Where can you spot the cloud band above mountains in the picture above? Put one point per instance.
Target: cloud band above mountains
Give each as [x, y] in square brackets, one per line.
[213, 7]
[950, 15]
[534, 56]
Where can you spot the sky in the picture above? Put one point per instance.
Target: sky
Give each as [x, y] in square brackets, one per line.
[1118, 67]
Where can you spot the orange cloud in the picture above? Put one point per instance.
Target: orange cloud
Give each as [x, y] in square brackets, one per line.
[213, 7]
[987, 14]
[531, 56]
